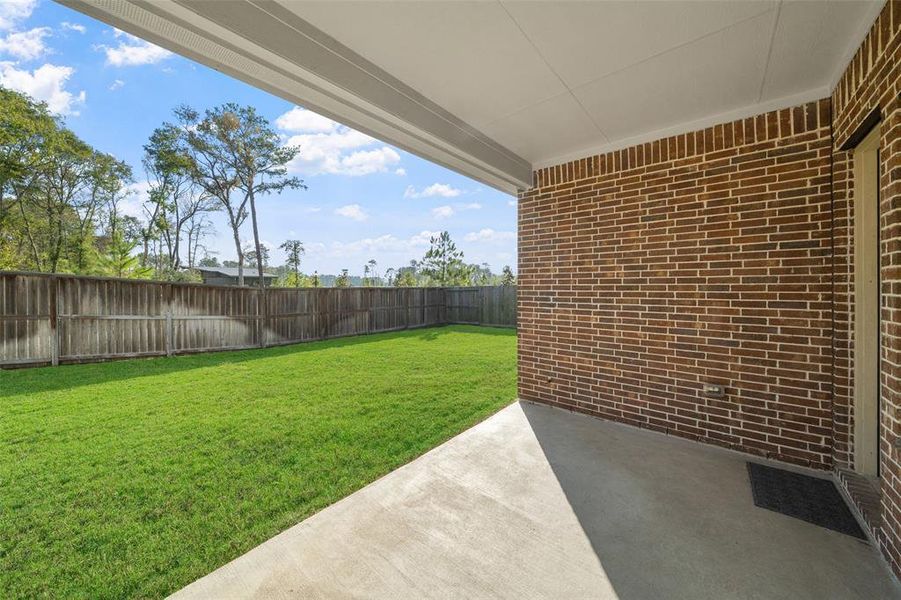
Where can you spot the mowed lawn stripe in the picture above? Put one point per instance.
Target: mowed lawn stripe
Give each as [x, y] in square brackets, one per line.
[133, 478]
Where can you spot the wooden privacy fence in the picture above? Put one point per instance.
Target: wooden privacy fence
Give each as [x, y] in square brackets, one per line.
[53, 319]
[485, 305]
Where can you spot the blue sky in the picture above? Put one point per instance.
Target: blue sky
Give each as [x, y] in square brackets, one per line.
[366, 199]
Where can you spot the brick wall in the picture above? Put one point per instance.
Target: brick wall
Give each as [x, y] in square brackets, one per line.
[724, 256]
[704, 257]
[872, 79]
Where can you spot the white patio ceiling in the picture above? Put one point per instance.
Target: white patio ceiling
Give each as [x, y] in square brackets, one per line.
[495, 89]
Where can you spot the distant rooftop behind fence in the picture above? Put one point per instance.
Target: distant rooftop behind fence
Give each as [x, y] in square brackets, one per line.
[57, 319]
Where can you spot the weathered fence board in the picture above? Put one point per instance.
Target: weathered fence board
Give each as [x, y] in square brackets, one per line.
[51, 319]
[486, 305]
[25, 319]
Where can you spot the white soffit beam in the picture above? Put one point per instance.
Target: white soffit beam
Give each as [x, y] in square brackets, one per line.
[261, 43]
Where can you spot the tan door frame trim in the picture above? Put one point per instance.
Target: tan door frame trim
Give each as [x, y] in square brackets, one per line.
[867, 304]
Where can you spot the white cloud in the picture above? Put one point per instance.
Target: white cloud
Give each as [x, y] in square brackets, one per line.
[489, 235]
[366, 247]
[25, 45]
[400, 172]
[512, 202]
[73, 27]
[132, 204]
[133, 51]
[365, 162]
[442, 212]
[46, 83]
[116, 85]
[300, 120]
[352, 211]
[14, 11]
[446, 211]
[436, 189]
[327, 147]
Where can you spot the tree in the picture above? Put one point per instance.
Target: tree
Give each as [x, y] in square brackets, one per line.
[373, 275]
[208, 261]
[59, 197]
[119, 259]
[175, 204]
[26, 128]
[198, 228]
[443, 263]
[343, 280]
[405, 279]
[205, 142]
[507, 276]
[314, 279]
[238, 151]
[110, 186]
[60, 204]
[406, 276]
[258, 257]
[481, 274]
[294, 249]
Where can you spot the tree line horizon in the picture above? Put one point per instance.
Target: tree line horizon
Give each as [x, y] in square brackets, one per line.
[61, 203]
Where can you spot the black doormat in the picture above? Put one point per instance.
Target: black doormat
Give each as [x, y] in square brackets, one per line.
[804, 497]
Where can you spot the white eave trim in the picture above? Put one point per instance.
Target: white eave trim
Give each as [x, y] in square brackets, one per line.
[303, 65]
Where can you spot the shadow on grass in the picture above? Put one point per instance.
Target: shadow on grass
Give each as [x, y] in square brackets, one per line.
[18, 382]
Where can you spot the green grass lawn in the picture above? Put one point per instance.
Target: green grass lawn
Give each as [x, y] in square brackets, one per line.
[133, 478]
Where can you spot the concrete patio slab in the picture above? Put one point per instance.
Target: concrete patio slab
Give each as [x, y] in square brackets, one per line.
[535, 502]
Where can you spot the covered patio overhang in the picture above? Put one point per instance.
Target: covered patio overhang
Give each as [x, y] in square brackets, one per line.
[495, 90]
[708, 203]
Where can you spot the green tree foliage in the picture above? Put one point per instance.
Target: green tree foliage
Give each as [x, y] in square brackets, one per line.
[507, 277]
[176, 203]
[443, 264]
[255, 257]
[235, 156]
[370, 275]
[26, 128]
[119, 259]
[405, 277]
[481, 274]
[314, 280]
[295, 250]
[208, 261]
[57, 194]
[343, 280]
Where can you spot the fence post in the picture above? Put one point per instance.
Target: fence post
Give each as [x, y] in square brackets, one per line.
[170, 329]
[263, 319]
[406, 308]
[54, 320]
[322, 302]
[367, 298]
